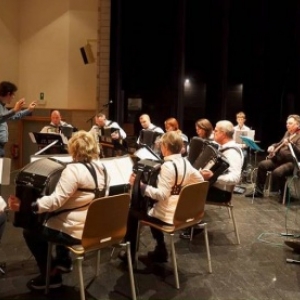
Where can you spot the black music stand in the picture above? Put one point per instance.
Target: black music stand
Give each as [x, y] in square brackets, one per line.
[49, 143]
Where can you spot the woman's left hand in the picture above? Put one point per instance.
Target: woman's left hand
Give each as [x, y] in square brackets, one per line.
[14, 203]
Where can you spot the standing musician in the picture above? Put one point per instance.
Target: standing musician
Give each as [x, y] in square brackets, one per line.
[279, 160]
[163, 195]
[78, 185]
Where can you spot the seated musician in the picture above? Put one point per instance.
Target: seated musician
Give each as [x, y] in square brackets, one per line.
[279, 160]
[152, 139]
[164, 207]
[56, 127]
[56, 123]
[241, 119]
[204, 129]
[102, 122]
[220, 191]
[72, 195]
[171, 124]
[104, 129]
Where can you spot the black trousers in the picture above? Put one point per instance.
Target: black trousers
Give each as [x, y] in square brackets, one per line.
[37, 242]
[132, 225]
[2, 223]
[279, 171]
[216, 195]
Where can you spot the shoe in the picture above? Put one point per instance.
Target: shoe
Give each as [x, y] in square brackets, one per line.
[186, 235]
[159, 255]
[294, 245]
[64, 265]
[255, 195]
[123, 256]
[39, 282]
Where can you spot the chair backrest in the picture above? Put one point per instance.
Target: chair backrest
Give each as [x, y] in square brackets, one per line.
[105, 222]
[191, 203]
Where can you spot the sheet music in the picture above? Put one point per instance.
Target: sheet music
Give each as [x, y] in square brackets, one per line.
[119, 169]
[144, 153]
[238, 133]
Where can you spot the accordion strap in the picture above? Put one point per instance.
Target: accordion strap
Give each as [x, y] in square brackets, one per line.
[96, 191]
[177, 187]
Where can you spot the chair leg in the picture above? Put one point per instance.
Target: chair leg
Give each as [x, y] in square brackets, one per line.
[235, 225]
[137, 246]
[207, 247]
[229, 213]
[130, 269]
[285, 191]
[48, 270]
[79, 260]
[173, 254]
[98, 263]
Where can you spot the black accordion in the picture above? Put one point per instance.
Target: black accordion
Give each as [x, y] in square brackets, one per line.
[146, 171]
[204, 155]
[149, 138]
[35, 180]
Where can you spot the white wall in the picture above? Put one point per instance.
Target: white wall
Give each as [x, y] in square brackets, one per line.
[39, 50]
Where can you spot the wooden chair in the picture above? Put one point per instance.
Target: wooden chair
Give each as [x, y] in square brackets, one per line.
[105, 226]
[189, 212]
[230, 212]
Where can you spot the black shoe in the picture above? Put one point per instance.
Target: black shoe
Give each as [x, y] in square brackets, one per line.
[39, 282]
[255, 195]
[186, 235]
[294, 245]
[64, 265]
[123, 256]
[159, 255]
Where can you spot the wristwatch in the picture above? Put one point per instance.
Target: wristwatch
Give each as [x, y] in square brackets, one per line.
[34, 207]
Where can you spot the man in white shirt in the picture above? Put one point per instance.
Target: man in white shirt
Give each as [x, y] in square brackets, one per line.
[221, 190]
[56, 123]
[102, 123]
[149, 134]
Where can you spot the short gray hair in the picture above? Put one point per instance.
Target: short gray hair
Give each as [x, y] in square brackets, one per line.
[226, 126]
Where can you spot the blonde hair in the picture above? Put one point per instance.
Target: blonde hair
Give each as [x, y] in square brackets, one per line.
[241, 114]
[173, 141]
[83, 147]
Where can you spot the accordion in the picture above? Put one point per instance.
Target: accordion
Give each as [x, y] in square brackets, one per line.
[204, 155]
[35, 180]
[146, 171]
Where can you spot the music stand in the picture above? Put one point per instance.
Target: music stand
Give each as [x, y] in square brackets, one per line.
[252, 146]
[46, 141]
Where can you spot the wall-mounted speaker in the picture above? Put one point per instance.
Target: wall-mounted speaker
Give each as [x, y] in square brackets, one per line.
[87, 54]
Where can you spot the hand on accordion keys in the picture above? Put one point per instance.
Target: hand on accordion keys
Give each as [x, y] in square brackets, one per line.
[206, 174]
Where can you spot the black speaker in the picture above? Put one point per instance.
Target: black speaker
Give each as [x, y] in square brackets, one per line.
[87, 54]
